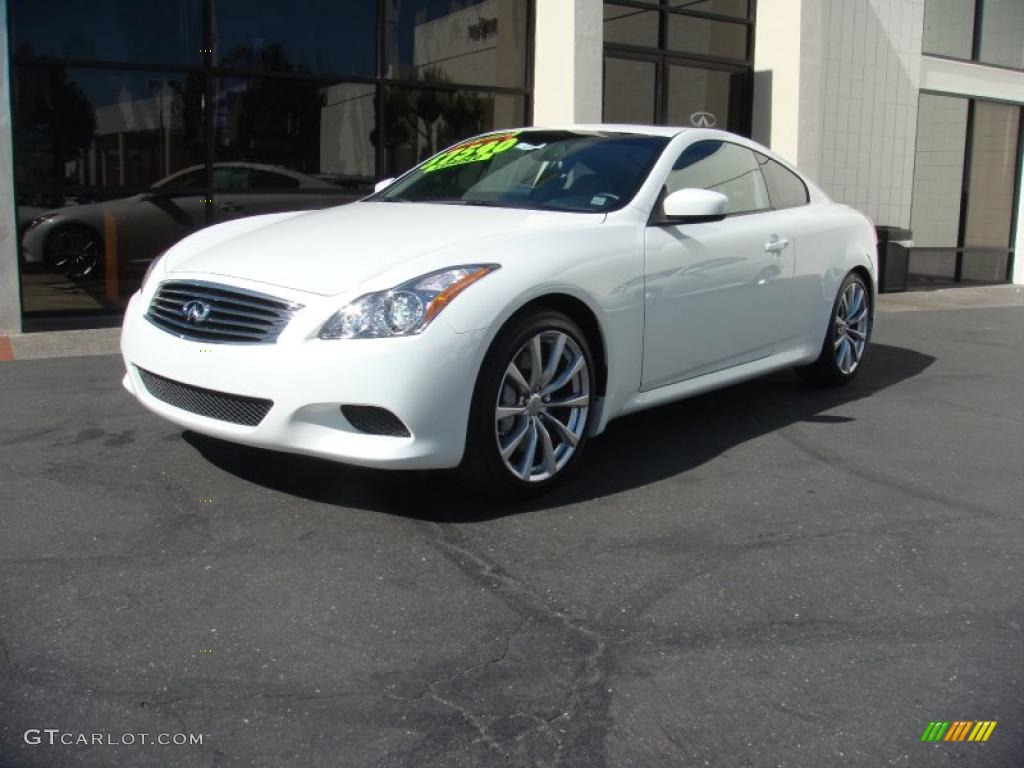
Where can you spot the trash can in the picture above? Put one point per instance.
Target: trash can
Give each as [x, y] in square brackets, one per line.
[893, 258]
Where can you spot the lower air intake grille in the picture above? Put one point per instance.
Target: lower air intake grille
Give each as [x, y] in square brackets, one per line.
[237, 409]
[374, 421]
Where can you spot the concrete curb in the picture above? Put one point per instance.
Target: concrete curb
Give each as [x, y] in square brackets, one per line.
[38, 346]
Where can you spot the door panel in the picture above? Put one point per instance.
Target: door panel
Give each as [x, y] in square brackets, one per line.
[715, 297]
[717, 293]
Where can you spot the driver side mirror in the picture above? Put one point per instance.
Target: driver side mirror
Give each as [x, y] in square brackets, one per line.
[693, 206]
[383, 184]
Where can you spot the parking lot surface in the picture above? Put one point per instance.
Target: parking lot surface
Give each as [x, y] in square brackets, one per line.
[769, 575]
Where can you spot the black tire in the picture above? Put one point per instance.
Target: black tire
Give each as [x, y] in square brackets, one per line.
[826, 370]
[75, 251]
[483, 469]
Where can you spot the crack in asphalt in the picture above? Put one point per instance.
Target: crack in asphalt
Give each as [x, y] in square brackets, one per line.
[838, 461]
[585, 685]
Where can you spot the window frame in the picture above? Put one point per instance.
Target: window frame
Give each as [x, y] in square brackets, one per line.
[965, 190]
[976, 30]
[663, 57]
[768, 186]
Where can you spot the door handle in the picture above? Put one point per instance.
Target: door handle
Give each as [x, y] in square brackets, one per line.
[776, 244]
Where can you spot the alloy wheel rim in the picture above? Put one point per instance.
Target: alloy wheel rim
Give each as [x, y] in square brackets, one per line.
[542, 406]
[76, 254]
[851, 333]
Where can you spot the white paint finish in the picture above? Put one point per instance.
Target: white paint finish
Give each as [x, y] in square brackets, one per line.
[427, 379]
[10, 295]
[568, 55]
[976, 80]
[325, 248]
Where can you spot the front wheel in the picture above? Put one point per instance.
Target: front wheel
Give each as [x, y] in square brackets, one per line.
[846, 339]
[532, 407]
[75, 251]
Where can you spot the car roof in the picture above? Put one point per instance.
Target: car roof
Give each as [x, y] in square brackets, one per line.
[647, 130]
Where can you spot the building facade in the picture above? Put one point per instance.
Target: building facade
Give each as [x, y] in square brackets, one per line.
[124, 126]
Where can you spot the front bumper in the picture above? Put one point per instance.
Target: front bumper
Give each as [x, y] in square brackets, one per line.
[425, 380]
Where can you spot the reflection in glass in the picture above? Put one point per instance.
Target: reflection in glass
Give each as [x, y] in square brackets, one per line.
[932, 265]
[419, 123]
[723, 167]
[283, 145]
[165, 32]
[948, 28]
[738, 8]
[479, 42]
[705, 98]
[104, 128]
[629, 87]
[689, 34]
[323, 131]
[316, 36]
[990, 201]
[630, 26]
[938, 171]
[93, 255]
[1002, 33]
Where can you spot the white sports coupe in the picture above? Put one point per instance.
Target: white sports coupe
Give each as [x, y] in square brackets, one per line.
[500, 303]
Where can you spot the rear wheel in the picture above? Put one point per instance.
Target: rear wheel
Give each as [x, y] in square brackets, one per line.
[846, 339]
[532, 407]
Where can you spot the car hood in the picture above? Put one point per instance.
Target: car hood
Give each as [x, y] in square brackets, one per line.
[329, 251]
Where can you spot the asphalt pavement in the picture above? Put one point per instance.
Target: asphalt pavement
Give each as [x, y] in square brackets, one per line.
[769, 575]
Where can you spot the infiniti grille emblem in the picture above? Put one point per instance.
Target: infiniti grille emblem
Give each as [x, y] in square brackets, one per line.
[195, 311]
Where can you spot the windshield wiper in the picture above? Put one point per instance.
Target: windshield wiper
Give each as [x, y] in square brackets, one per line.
[478, 203]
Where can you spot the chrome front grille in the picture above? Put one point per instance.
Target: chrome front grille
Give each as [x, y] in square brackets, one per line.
[201, 311]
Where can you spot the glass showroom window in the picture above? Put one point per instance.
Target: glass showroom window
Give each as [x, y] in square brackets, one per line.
[678, 63]
[136, 124]
[986, 31]
[966, 181]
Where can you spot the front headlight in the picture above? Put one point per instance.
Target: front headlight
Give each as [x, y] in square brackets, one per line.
[404, 310]
[40, 220]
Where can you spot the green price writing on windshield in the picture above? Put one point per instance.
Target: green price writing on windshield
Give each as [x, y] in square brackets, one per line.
[475, 151]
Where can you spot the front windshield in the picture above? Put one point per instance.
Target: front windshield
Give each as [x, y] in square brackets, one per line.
[543, 170]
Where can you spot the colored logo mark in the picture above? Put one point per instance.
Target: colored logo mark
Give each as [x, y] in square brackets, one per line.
[958, 730]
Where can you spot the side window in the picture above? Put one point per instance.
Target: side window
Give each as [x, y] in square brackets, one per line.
[230, 179]
[785, 188]
[721, 167]
[185, 180]
[268, 180]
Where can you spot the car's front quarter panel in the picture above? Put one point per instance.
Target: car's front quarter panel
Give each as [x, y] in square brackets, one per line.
[600, 264]
[426, 380]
